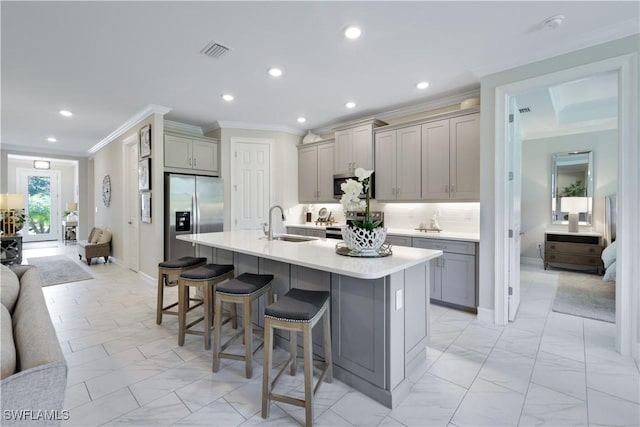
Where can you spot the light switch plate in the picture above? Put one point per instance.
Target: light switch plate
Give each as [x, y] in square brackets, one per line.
[399, 299]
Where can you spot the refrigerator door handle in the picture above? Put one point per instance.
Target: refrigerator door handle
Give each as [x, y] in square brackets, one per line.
[197, 211]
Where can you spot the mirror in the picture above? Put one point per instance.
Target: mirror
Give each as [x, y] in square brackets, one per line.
[572, 180]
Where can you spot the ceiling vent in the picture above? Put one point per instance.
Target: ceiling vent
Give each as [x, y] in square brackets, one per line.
[215, 50]
[524, 110]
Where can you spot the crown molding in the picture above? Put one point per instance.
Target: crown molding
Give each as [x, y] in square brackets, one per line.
[139, 116]
[39, 151]
[183, 128]
[254, 126]
[408, 110]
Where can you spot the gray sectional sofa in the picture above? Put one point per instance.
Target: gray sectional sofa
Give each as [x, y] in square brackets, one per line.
[34, 370]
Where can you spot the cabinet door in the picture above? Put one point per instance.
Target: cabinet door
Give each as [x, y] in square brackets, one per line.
[343, 154]
[385, 165]
[408, 163]
[399, 241]
[297, 230]
[313, 232]
[205, 156]
[325, 172]
[435, 160]
[307, 174]
[177, 152]
[459, 279]
[465, 157]
[363, 147]
[436, 279]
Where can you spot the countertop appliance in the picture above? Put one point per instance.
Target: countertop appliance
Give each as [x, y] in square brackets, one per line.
[359, 216]
[341, 178]
[334, 232]
[193, 204]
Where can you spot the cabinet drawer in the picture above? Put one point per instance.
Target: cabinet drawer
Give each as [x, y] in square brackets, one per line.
[452, 246]
[398, 240]
[566, 258]
[573, 248]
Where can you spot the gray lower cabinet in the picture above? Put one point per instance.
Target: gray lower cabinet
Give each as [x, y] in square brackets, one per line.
[398, 241]
[303, 231]
[454, 275]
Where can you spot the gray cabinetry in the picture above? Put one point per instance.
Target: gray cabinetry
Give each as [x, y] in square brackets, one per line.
[354, 146]
[398, 240]
[315, 172]
[302, 231]
[190, 153]
[454, 275]
[398, 161]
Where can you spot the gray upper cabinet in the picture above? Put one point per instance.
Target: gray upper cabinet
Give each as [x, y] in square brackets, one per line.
[191, 153]
[315, 172]
[354, 147]
[451, 159]
[397, 154]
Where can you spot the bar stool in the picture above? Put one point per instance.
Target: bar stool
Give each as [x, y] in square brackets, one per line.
[206, 278]
[244, 289]
[173, 268]
[297, 311]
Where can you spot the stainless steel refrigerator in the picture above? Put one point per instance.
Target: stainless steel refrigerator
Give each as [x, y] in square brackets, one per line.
[193, 204]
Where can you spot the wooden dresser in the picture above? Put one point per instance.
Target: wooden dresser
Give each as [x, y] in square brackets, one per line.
[573, 249]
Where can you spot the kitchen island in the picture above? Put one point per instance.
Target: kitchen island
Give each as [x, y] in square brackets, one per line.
[379, 306]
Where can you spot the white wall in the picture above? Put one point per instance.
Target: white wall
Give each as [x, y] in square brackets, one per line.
[537, 158]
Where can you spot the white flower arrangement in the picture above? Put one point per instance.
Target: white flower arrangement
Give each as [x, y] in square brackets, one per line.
[351, 201]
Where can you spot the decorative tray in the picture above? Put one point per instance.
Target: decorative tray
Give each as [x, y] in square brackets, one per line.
[342, 249]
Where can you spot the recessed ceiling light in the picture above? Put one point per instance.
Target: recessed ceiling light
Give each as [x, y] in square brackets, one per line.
[51, 139]
[553, 22]
[352, 32]
[350, 105]
[422, 85]
[227, 97]
[275, 72]
[66, 113]
[301, 120]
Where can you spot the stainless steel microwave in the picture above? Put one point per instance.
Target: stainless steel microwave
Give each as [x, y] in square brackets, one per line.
[341, 178]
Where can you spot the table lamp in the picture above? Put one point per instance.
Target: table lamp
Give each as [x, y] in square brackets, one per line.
[12, 208]
[574, 205]
[72, 208]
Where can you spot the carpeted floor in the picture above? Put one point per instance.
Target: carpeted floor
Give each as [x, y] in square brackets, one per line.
[57, 269]
[586, 295]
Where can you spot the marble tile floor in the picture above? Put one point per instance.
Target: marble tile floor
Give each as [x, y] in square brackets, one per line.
[545, 368]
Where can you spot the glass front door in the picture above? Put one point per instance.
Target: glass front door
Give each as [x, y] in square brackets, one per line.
[42, 204]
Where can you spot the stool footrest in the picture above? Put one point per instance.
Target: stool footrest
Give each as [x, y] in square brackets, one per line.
[288, 399]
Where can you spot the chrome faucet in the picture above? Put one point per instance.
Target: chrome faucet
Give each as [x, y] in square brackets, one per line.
[270, 234]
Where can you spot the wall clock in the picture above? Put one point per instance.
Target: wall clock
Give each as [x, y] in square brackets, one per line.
[106, 190]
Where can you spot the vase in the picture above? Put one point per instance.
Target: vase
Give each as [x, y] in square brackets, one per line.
[363, 241]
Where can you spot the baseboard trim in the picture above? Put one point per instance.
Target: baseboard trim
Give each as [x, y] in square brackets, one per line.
[486, 315]
[147, 277]
[531, 261]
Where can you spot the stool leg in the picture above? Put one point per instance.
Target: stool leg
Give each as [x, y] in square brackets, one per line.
[328, 359]
[183, 306]
[293, 351]
[207, 317]
[160, 298]
[308, 375]
[248, 341]
[234, 315]
[217, 325]
[266, 368]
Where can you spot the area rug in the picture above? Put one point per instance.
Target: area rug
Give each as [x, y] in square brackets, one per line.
[586, 296]
[57, 269]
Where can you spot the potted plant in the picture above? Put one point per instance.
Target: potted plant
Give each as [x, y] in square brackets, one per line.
[366, 236]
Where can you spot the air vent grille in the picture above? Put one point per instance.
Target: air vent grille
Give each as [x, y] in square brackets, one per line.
[215, 50]
[525, 110]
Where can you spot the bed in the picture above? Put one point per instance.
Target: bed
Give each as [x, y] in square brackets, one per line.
[609, 254]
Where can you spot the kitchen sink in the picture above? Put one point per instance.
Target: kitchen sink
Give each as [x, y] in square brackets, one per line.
[290, 238]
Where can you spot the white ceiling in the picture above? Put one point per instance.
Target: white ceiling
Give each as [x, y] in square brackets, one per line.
[107, 61]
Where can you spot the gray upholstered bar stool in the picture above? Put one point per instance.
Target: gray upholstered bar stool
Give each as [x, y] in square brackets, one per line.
[170, 268]
[297, 311]
[244, 289]
[206, 278]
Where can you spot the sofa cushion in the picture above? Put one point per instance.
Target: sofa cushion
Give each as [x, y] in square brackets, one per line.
[94, 236]
[9, 288]
[7, 346]
[105, 236]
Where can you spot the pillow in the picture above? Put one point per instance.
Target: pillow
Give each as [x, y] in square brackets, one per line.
[9, 288]
[95, 235]
[609, 255]
[610, 273]
[8, 346]
[105, 236]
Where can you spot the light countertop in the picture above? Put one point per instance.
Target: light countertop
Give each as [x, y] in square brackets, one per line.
[407, 232]
[318, 254]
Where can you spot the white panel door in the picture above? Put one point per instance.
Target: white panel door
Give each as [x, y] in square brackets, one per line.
[515, 188]
[408, 163]
[41, 189]
[435, 160]
[251, 185]
[132, 206]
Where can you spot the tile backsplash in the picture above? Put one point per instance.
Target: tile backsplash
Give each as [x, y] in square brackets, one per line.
[456, 217]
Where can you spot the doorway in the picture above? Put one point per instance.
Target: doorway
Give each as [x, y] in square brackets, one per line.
[627, 189]
[131, 203]
[250, 182]
[42, 203]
